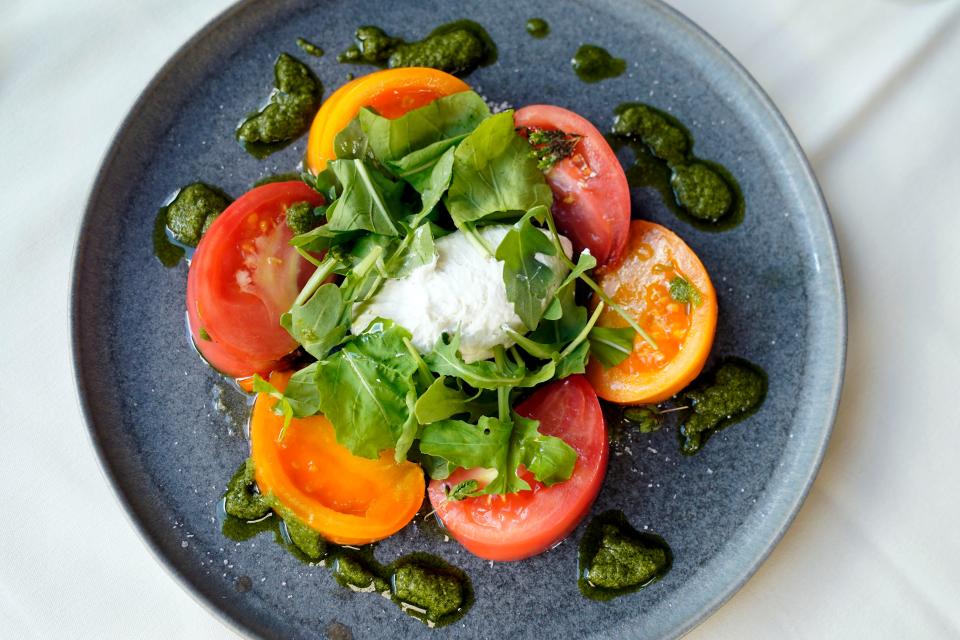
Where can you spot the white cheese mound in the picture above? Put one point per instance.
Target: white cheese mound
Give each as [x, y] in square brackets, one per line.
[462, 289]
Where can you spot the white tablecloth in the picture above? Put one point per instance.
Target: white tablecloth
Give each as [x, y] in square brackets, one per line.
[872, 90]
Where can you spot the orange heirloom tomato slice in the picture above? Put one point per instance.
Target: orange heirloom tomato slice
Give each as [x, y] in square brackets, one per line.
[640, 283]
[345, 498]
[392, 93]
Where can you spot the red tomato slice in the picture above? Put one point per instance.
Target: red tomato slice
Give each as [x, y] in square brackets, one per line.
[591, 196]
[520, 525]
[243, 276]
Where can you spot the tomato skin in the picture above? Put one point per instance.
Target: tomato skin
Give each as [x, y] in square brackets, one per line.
[520, 525]
[243, 276]
[591, 196]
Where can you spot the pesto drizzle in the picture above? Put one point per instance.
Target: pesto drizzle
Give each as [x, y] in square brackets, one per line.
[593, 64]
[700, 192]
[181, 222]
[615, 559]
[288, 111]
[425, 587]
[457, 47]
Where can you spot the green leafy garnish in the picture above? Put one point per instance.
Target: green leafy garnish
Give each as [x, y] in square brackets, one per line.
[550, 146]
[526, 277]
[610, 345]
[682, 290]
[370, 200]
[461, 490]
[367, 391]
[493, 173]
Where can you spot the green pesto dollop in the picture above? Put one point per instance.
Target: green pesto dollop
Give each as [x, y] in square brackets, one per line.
[616, 559]
[663, 136]
[358, 574]
[309, 48]
[647, 419]
[457, 47]
[165, 251]
[736, 390]
[538, 27]
[242, 500]
[288, 112]
[303, 217]
[193, 210]
[431, 585]
[702, 192]
[685, 292]
[593, 64]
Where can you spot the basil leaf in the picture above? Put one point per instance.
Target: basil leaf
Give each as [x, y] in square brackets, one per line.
[527, 278]
[319, 324]
[611, 346]
[367, 390]
[369, 200]
[493, 172]
[446, 117]
[440, 402]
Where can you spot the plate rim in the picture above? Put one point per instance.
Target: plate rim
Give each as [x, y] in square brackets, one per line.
[806, 176]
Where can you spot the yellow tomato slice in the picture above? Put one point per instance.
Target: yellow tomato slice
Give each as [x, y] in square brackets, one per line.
[347, 499]
[392, 93]
[640, 283]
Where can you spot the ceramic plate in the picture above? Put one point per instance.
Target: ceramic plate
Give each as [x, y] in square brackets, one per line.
[170, 431]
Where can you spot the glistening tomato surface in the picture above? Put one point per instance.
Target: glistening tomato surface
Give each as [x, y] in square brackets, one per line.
[520, 525]
[655, 262]
[591, 196]
[347, 499]
[243, 276]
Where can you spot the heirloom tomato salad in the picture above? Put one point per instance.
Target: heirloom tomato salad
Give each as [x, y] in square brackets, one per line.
[432, 310]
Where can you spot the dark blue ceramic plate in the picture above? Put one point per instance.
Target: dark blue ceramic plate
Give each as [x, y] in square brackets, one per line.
[170, 432]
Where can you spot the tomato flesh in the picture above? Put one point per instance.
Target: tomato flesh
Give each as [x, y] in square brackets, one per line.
[244, 275]
[591, 196]
[523, 524]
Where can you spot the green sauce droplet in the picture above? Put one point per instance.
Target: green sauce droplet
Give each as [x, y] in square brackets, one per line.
[288, 112]
[700, 192]
[457, 47]
[423, 586]
[309, 48]
[593, 64]
[615, 559]
[733, 391]
[538, 27]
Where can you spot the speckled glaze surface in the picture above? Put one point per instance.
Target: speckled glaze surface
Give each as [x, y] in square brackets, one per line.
[170, 431]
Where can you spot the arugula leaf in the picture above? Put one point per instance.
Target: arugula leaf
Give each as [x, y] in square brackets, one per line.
[319, 324]
[302, 393]
[440, 402]
[445, 360]
[446, 117]
[526, 278]
[611, 346]
[548, 458]
[493, 173]
[367, 391]
[575, 361]
[502, 445]
[419, 252]
[572, 318]
[351, 142]
[369, 199]
[462, 490]
[431, 182]
[281, 408]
